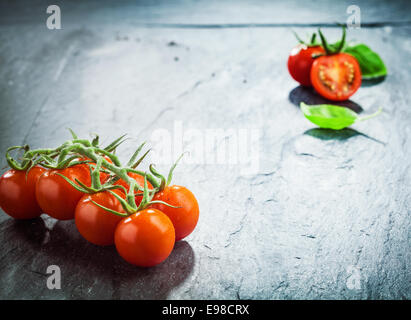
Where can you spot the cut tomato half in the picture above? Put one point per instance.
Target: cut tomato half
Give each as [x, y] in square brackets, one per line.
[336, 77]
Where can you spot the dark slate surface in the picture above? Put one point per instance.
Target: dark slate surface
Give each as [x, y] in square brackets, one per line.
[327, 214]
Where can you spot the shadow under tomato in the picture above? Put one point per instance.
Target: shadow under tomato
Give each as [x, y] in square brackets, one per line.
[87, 271]
[344, 134]
[32, 231]
[309, 96]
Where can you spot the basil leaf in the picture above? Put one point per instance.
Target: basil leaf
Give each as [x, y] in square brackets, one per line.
[332, 117]
[370, 62]
[329, 116]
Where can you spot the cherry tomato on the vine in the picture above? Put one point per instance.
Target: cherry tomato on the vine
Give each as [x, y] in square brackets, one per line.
[94, 223]
[103, 175]
[140, 180]
[300, 62]
[17, 193]
[145, 238]
[184, 217]
[336, 77]
[56, 196]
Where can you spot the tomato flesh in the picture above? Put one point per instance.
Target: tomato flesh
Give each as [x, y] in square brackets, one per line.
[336, 77]
[95, 224]
[145, 238]
[17, 194]
[300, 62]
[185, 217]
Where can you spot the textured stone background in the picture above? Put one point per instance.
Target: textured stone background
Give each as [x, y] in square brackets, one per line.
[326, 217]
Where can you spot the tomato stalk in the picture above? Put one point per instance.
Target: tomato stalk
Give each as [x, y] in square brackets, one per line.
[129, 204]
[164, 183]
[46, 157]
[72, 152]
[133, 158]
[113, 146]
[119, 171]
[68, 155]
[313, 40]
[329, 50]
[13, 163]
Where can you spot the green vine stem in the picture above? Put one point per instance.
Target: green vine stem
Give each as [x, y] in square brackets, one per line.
[24, 165]
[46, 157]
[326, 46]
[150, 178]
[164, 183]
[313, 39]
[129, 205]
[135, 154]
[170, 173]
[82, 151]
[120, 172]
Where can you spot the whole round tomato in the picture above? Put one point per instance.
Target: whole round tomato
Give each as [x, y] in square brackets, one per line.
[17, 194]
[300, 62]
[56, 196]
[183, 218]
[140, 180]
[336, 77]
[145, 238]
[95, 224]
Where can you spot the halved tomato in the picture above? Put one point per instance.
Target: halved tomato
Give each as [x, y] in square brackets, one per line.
[336, 77]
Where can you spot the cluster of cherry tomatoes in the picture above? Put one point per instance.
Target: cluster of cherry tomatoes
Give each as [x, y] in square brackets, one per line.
[137, 211]
[333, 74]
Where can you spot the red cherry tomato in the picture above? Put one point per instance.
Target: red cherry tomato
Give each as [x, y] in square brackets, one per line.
[140, 181]
[145, 238]
[300, 62]
[185, 217]
[17, 194]
[94, 223]
[336, 77]
[56, 196]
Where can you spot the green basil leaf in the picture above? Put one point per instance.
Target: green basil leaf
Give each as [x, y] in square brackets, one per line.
[329, 116]
[332, 117]
[370, 62]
